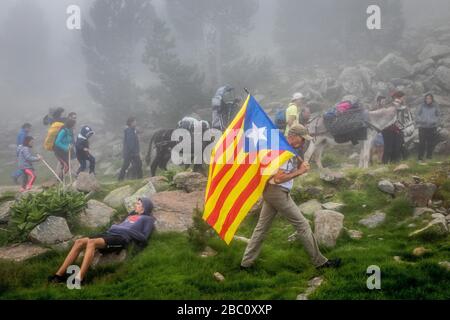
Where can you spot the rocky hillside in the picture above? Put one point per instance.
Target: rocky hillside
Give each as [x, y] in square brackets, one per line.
[395, 217]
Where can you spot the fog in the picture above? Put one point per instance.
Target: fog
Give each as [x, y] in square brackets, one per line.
[43, 64]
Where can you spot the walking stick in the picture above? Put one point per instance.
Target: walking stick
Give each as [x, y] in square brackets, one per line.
[51, 170]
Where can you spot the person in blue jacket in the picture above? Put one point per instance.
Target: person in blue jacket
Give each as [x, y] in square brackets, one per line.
[23, 133]
[131, 151]
[63, 143]
[136, 228]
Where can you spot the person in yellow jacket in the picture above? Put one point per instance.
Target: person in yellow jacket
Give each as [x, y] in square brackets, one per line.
[292, 111]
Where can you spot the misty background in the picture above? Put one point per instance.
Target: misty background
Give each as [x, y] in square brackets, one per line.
[160, 60]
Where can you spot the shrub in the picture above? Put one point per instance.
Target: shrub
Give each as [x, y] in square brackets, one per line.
[198, 233]
[33, 209]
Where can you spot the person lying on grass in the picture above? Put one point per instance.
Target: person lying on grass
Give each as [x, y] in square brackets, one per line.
[136, 228]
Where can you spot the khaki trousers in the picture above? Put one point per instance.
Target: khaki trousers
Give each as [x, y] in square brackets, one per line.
[278, 200]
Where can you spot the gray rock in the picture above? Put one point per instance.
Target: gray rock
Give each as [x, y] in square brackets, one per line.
[86, 182]
[399, 187]
[436, 228]
[313, 284]
[146, 191]
[160, 183]
[393, 66]
[116, 197]
[355, 81]
[53, 230]
[421, 194]
[219, 277]
[5, 212]
[418, 212]
[21, 252]
[310, 207]
[355, 234]
[332, 177]
[434, 51]
[386, 186]
[442, 76]
[174, 209]
[333, 206]
[96, 215]
[314, 191]
[328, 226]
[423, 66]
[374, 220]
[190, 181]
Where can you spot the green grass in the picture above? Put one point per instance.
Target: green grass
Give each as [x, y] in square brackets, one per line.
[171, 268]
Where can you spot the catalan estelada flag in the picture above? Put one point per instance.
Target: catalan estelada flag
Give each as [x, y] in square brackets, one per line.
[249, 152]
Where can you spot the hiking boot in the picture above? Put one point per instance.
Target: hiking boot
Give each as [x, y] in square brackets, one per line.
[335, 263]
[57, 279]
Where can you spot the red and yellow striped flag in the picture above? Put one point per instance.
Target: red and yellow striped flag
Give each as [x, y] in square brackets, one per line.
[249, 152]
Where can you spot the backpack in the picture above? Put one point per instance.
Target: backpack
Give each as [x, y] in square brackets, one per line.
[52, 133]
[280, 119]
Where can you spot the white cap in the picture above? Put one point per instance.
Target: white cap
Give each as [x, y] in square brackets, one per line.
[297, 96]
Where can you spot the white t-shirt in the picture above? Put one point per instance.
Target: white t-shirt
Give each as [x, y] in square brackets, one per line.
[288, 167]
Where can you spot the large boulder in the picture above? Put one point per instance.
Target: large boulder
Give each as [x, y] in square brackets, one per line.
[442, 76]
[53, 230]
[334, 206]
[422, 67]
[355, 81]
[86, 182]
[328, 226]
[421, 194]
[310, 207]
[174, 209]
[116, 197]
[374, 220]
[160, 183]
[393, 66]
[21, 252]
[190, 181]
[5, 211]
[146, 191]
[434, 51]
[97, 214]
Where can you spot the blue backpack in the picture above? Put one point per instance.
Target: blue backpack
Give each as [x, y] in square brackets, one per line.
[280, 119]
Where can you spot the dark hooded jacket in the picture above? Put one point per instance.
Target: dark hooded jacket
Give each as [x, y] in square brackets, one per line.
[136, 227]
[83, 142]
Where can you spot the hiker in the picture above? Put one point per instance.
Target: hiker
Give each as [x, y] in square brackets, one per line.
[277, 199]
[26, 160]
[377, 147]
[136, 228]
[72, 116]
[131, 151]
[23, 133]
[63, 143]
[428, 118]
[293, 112]
[224, 107]
[54, 114]
[393, 136]
[83, 152]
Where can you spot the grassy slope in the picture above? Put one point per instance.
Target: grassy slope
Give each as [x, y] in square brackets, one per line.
[170, 267]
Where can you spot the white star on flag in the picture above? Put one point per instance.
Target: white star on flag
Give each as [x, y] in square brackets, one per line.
[256, 134]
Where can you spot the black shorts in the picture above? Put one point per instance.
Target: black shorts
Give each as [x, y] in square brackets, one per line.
[114, 243]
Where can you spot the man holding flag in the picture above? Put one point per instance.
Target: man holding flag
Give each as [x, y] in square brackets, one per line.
[248, 156]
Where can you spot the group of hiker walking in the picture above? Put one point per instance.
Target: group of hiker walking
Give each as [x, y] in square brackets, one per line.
[60, 140]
